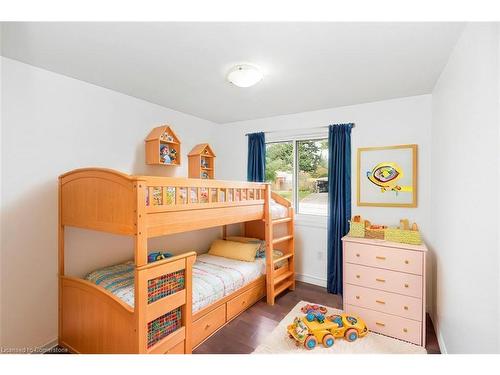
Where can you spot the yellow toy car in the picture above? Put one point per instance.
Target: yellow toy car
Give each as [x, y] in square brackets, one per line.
[309, 333]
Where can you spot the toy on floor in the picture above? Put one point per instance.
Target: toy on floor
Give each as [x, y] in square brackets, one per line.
[309, 333]
[314, 312]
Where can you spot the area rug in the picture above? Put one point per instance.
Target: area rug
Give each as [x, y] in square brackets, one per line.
[278, 342]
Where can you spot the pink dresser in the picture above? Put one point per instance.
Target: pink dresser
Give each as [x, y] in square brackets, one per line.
[384, 283]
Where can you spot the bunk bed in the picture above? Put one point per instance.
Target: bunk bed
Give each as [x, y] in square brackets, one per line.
[160, 316]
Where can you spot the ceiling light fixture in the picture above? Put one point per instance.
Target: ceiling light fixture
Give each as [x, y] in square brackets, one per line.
[244, 75]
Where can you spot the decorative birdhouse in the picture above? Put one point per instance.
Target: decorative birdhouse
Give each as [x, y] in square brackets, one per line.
[202, 162]
[163, 147]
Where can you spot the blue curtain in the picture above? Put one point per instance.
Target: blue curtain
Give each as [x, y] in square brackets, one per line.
[256, 168]
[339, 200]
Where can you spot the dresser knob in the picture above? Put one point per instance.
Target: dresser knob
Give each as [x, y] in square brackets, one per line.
[357, 255]
[407, 262]
[207, 326]
[405, 330]
[357, 276]
[406, 285]
[406, 307]
[357, 297]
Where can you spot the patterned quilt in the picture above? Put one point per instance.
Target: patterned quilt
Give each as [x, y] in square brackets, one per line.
[213, 278]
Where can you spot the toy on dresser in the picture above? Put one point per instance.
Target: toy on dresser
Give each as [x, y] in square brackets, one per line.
[316, 327]
[402, 234]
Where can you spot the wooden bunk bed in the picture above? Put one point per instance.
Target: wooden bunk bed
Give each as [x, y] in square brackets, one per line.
[93, 320]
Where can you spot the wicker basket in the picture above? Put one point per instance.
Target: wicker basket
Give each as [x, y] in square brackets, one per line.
[378, 234]
[357, 229]
[411, 237]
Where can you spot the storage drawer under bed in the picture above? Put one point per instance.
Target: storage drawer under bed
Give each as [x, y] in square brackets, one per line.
[245, 299]
[176, 349]
[208, 324]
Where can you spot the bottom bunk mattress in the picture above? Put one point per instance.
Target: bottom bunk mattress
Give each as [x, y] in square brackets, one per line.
[213, 278]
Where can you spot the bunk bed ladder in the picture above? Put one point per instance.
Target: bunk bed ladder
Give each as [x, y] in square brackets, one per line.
[283, 278]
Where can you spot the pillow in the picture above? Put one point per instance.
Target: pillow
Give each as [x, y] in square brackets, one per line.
[243, 239]
[234, 250]
[261, 251]
[277, 254]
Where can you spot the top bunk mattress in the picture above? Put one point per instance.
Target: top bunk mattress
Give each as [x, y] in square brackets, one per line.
[213, 278]
[278, 211]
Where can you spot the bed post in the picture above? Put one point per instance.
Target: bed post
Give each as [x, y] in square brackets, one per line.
[187, 309]
[60, 260]
[268, 228]
[141, 238]
[141, 259]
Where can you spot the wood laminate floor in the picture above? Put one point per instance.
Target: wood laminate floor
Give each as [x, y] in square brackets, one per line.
[247, 331]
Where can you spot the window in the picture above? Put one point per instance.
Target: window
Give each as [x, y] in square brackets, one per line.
[298, 171]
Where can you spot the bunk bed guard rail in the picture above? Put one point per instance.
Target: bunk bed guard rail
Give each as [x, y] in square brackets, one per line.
[163, 298]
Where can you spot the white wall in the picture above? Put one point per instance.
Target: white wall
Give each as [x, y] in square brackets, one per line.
[465, 189]
[390, 122]
[51, 124]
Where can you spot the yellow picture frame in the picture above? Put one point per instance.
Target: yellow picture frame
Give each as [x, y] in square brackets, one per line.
[414, 174]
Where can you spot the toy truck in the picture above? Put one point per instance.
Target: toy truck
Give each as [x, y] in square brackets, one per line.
[309, 333]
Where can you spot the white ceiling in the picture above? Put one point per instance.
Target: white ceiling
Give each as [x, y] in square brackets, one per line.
[307, 66]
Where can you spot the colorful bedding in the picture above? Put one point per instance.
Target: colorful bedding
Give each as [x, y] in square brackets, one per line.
[213, 278]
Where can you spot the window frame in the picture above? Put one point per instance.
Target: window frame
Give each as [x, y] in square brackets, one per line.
[305, 219]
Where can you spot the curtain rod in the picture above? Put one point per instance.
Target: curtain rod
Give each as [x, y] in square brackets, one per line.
[278, 131]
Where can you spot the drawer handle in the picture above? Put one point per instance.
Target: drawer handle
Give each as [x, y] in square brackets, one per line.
[406, 307]
[380, 324]
[381, 302]
[357, 276]
[243, 302]
[207, 326]
[405, 330]
[379, 257]
[407, 286]
[380, 280]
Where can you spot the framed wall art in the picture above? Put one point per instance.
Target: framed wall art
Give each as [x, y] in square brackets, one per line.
[387, 176]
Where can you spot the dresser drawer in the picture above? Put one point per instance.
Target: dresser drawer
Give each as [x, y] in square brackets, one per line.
[384, 257]
[208, 324]
[377, 278]
[390, 325]
[390, 303]
[240, 303]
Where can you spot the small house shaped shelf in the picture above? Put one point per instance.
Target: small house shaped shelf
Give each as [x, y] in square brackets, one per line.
[163, 147]
[202, 162]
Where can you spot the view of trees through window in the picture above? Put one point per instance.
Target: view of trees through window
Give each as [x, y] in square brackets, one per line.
[312, 173]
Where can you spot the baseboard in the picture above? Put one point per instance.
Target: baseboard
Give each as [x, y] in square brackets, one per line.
[311, 279]
[439, 335]
[46, 347]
